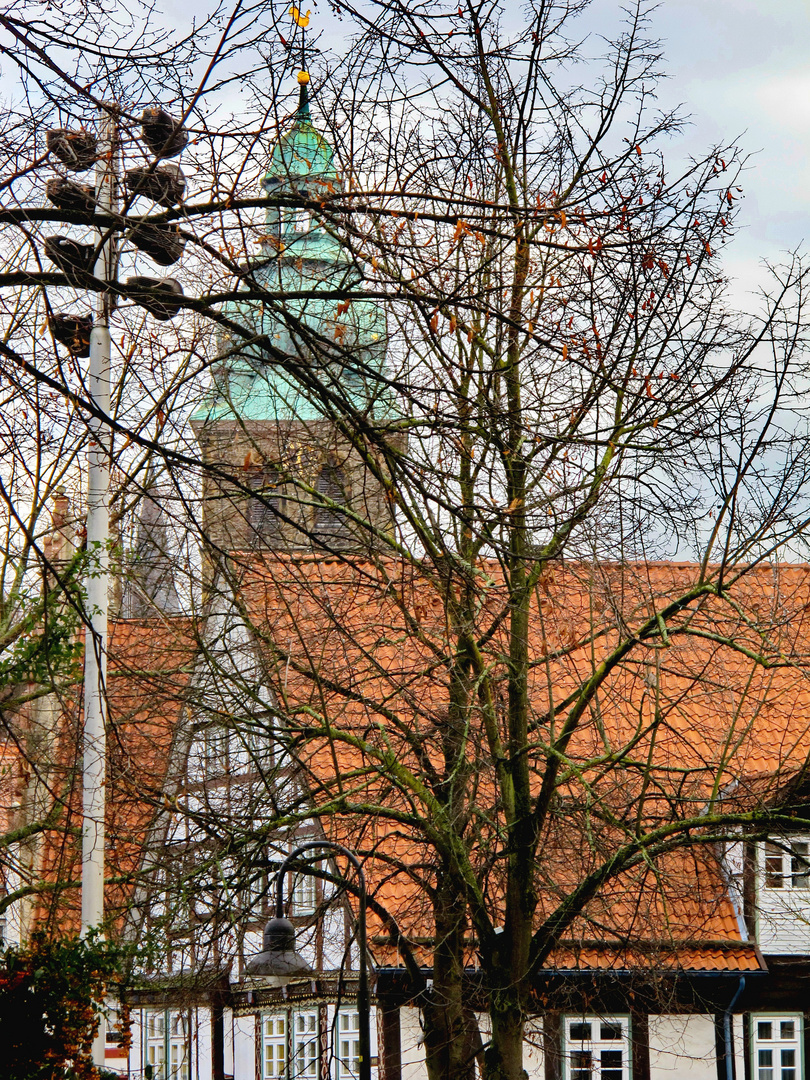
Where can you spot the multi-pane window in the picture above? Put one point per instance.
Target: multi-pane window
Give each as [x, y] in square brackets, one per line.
[216, 738]
[775, 1045]
[303, 895]
[291, 1045]
[254, 892]
[259, 745]
[347, 1048]
[787, 865]
[274, 1035]
[114, 1031]
[305, 1056]
[167, 1046]
[301, 886]
[596, 1048]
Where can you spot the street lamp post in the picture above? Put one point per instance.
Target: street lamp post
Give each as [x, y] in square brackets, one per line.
[280, 961]
[78, 151]
[97, 581]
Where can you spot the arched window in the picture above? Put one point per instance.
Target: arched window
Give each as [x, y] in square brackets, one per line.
[331, 527]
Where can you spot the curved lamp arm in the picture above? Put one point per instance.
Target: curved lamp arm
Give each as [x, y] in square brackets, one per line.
[363, 998]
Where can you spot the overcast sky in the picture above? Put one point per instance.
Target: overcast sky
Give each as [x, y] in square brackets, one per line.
[742, 69]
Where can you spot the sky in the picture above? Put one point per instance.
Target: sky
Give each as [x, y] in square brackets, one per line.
[741, 68]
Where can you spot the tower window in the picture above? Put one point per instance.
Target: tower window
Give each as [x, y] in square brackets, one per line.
[331, 526]
[264, 507]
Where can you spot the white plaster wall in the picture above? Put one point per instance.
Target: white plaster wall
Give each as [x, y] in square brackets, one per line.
[244, 1048]
[683, 1047]
[227, 1024]
[136, 1048]
[738, 1023]
[203, 1063]
[533, 1050]
[413, 1051]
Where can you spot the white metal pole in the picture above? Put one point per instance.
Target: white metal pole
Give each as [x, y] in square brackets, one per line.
[97, 578]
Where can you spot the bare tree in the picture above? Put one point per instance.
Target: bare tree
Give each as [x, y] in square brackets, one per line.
[481, 373]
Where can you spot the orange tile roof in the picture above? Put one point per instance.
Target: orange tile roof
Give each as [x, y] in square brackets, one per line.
[367, 646]
[149, 666]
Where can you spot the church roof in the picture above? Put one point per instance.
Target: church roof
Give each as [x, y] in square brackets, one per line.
[703, 716]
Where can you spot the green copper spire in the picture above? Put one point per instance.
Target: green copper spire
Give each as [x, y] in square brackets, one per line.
[301, 164]
[302, 154]
[302, 257]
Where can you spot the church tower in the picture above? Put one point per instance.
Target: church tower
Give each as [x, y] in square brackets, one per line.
[271, 420]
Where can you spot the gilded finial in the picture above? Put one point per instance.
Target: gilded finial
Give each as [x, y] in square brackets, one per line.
[303, 78]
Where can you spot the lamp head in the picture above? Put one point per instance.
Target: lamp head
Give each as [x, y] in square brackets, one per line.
[278, 961]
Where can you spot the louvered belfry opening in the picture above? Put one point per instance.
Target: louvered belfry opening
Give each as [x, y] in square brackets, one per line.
[264, 508]
[331, 527]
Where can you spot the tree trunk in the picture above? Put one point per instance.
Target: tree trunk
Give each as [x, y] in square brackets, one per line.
[450, 1044]
[503, 1059]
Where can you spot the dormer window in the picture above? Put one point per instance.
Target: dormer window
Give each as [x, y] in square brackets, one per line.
[787, 864]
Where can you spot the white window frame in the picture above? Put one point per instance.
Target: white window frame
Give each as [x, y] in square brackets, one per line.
[595, 1046]
[785, 864]
[216, 749]
[777, 1068]
[275, 1035]
[305, 1045]
[303, 893]
[300, 887]
[346, 1044]
[167, 1044]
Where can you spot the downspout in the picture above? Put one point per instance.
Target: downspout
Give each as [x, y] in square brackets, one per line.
[727, 1030]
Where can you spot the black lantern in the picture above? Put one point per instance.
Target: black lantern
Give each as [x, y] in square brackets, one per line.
[163, 243]
[77, 150]
[278, 961]
[72, 331]
[165, 136]
[68, 195]
[162, 184]
[160, 296]
[72, 258]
